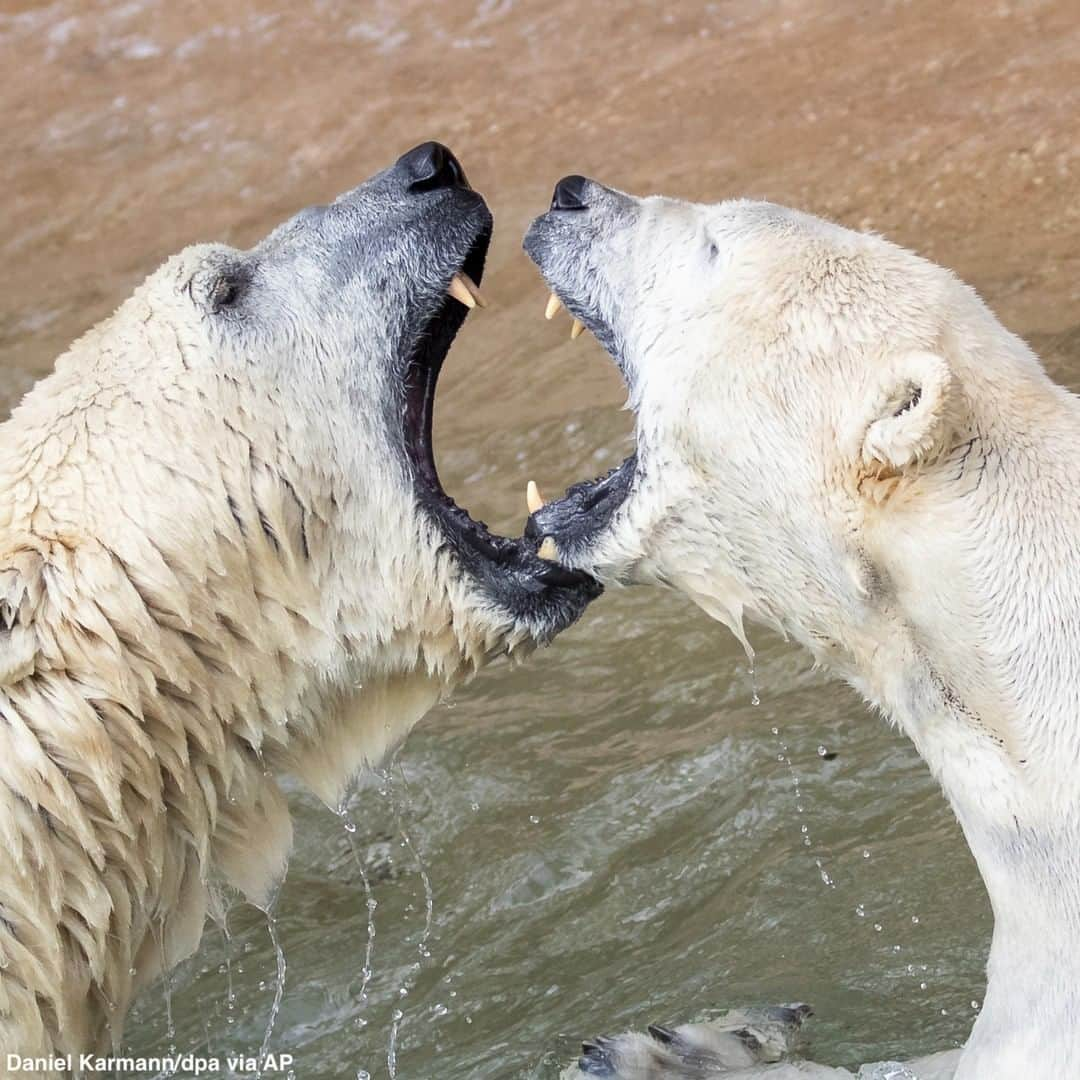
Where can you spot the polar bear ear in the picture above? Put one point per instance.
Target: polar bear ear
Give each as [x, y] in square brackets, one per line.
[912, 418]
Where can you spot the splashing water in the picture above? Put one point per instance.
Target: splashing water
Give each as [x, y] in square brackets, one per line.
[804, 829]
[429, 908]
[370, 904]
[230, 993]
[279, 986]
[166, 982]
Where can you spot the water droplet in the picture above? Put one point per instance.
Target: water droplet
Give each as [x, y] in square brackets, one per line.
[533, 819]
[397, 1014]
[922, 986]
[476, 806]
[860, 911]
[439, 1010]
[974, 1004]
[915, 920]
[877, 927]
[866, 853]
[822, 751]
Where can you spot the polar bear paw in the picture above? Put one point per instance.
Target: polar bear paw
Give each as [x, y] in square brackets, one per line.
[735, 1041]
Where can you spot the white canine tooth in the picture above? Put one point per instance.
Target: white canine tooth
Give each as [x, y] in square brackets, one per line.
[576, 330]
[465, 291]
[474, 289]
[552, 309]
[460, 292]
[533, 498]
[548, 551]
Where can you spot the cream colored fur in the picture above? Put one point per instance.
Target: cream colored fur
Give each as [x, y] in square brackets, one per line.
[209, 575]
[838, 439]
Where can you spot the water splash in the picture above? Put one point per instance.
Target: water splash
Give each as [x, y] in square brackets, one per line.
[166, 982]
[804, 830]
[226, 970]
[370, 904]
[279, 987]
[429, 911]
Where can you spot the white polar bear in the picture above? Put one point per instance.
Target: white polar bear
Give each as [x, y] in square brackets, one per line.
[838, 438]
[225, 554]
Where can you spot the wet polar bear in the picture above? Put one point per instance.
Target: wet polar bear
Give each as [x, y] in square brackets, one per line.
[225, 554]
[838, 439]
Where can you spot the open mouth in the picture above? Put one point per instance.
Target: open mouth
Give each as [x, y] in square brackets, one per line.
[567, 530]
[543, 593]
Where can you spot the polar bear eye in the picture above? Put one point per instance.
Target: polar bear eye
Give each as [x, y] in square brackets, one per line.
[226, 290]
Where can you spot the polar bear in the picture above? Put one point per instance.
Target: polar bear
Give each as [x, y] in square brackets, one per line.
[225, 554]
[838, 439]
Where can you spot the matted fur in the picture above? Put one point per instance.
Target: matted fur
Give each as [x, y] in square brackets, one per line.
[214, 570]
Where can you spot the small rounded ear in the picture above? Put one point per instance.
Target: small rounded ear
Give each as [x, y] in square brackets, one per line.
[912, 419]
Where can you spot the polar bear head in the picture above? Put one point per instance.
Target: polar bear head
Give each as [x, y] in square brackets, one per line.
[786, 373]
[225, 554]
[818, 413]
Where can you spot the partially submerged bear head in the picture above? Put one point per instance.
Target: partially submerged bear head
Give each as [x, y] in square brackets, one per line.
[789, 380]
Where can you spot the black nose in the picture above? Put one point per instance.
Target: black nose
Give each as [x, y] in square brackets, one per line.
[431, 165]
[570, 194]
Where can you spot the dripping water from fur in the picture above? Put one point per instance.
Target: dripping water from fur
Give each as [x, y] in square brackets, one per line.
[279, 986]
[784, 756]
[370, 904]
[429, 908]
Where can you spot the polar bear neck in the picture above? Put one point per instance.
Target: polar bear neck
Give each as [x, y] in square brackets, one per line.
[975, 654]
[189, 610]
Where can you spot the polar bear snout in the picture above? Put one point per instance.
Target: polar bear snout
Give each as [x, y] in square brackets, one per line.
[571, 193]
[432, 165]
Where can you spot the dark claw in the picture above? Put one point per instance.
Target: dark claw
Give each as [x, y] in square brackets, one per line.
[792, 1015]
[595, 1060]
[748, 1039]
[662, 1034]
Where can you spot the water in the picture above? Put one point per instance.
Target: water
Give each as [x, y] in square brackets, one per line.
[612, 834]
[637, 859]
